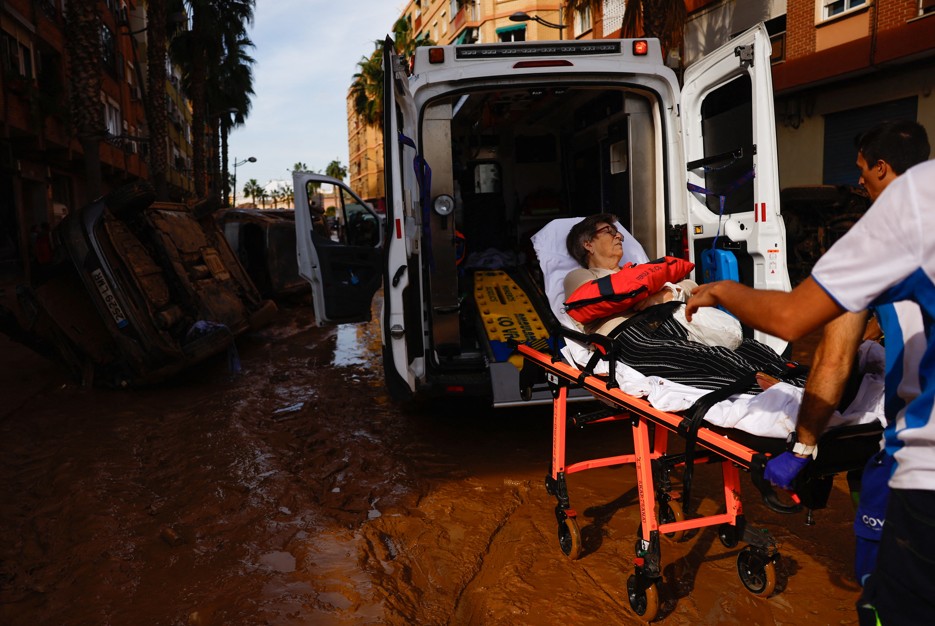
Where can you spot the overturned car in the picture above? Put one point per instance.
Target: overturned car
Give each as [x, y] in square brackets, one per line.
[264, 241]
[139, 291]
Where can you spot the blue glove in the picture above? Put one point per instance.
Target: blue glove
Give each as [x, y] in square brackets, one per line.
[783, 469]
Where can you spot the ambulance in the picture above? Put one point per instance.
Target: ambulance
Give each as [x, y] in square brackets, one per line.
[484, 144]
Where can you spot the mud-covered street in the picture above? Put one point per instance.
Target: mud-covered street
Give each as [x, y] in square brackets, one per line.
[297, 493]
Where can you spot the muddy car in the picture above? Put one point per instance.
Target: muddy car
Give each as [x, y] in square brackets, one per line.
[264, 241]
[139, 291]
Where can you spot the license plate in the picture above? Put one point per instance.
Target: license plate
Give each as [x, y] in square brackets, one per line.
[108, 295]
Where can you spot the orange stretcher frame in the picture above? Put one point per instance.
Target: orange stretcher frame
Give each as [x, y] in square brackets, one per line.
[651, 428]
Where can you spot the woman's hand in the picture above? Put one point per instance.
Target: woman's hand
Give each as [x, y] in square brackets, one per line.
[665, 295]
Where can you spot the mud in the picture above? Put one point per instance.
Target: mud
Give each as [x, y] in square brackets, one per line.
[297, 493]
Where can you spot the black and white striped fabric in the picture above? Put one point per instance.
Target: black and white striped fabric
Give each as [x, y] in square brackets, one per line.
[655, 344]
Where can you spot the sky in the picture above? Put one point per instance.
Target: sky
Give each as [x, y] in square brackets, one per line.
[306, 55]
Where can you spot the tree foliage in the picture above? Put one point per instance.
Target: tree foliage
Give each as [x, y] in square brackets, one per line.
[662, 19]
[367, 87]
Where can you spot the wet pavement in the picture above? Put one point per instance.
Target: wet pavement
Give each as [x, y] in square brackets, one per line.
[297, 493]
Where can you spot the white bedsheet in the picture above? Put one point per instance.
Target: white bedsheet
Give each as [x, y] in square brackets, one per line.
[771, 413]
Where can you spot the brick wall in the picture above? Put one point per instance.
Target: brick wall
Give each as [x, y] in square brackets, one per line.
[894, 13]
[800, 28]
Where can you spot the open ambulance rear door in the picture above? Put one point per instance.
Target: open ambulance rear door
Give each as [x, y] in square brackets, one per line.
[729, 138]
[403, 347]
[339, 255]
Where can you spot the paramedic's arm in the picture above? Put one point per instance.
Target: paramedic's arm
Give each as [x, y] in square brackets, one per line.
[831, 367]
[789, 315]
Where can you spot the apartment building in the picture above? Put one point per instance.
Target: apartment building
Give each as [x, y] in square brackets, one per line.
[41, 161]
[839, 66]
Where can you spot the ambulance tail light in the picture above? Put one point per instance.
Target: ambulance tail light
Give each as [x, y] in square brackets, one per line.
[543, 63]
[640, 48]
[436, 55]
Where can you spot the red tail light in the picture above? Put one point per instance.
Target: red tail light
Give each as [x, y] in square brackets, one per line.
[552, 63]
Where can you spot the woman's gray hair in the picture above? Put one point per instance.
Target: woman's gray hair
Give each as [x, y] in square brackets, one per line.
[583, 232]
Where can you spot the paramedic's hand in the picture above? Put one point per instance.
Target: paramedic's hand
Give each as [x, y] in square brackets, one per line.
[702, 295]
[783, 469]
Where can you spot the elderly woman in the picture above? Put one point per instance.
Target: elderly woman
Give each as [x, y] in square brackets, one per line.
[648, 337]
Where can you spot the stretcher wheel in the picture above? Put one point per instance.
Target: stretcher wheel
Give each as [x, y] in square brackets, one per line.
[644, 603]
[672, 512]
[727, 533]
[569, 538]
[757, 572]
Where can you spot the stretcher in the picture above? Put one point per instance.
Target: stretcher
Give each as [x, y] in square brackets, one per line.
[664, 510]
[575, 362]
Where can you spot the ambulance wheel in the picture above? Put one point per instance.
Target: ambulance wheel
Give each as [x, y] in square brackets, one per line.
[569, 538]
[672, 512]
[728, 535]
[757, 572]
[644, 603]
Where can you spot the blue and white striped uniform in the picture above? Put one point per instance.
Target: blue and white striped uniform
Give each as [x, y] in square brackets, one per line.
[886, 258]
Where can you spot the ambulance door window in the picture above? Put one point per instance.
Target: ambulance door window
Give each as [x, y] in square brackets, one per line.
[727, 128]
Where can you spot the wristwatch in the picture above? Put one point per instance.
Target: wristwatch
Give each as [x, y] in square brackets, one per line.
[805, 450]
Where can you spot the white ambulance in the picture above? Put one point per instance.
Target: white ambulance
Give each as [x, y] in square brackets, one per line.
[487, 143]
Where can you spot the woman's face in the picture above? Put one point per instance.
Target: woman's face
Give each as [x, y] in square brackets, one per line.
[606, 247]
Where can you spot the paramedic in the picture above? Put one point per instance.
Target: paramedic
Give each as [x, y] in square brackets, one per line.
[886, 257]
[883, 153]
[654, 342]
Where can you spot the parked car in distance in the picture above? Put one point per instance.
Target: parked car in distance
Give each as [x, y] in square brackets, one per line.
[139, 291]
[264, 242]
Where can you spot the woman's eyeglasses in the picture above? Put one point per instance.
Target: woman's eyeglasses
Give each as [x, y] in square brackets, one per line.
[608, 230]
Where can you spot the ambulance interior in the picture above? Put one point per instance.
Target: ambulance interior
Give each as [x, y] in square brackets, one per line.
[516, 158]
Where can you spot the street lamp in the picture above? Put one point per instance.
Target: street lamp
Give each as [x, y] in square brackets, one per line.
[520, 16]
[236, 165]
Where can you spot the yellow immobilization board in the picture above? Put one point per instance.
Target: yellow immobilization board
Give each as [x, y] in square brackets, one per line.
[507, 313]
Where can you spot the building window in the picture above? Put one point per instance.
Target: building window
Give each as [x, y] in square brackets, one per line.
[108, 50]
[112, 118]
[926, 7]
[17, 56]
[444, 21]
[833, 8]
[512, 34]
[582, 20]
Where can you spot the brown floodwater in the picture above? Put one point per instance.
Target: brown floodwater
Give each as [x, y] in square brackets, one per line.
[297, 493]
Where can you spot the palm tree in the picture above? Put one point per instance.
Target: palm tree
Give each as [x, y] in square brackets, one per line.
[299, 167]
[216, 25]
[252, 189]
[662, 19]
[336, 170]
[83, 49]
[367, 88]
[230, 95]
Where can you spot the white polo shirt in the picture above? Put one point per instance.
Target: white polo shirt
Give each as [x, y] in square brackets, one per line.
[889, 257]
